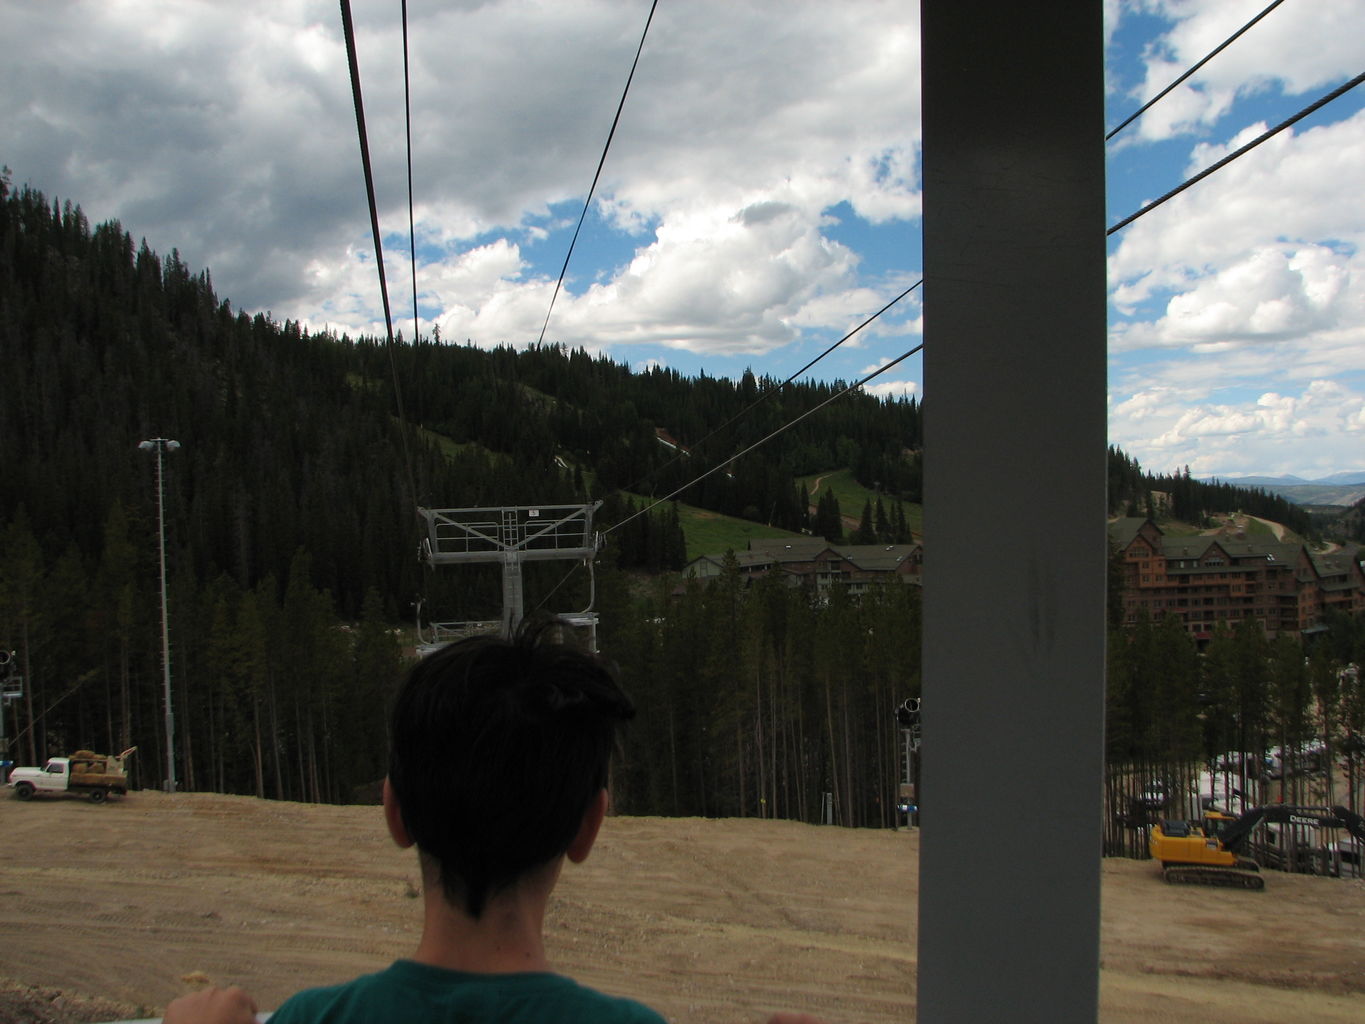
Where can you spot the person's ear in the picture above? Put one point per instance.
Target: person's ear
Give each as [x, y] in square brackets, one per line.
[393, 817]
[587, 832]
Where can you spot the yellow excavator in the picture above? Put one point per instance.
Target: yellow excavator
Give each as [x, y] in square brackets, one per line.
[1210, 852]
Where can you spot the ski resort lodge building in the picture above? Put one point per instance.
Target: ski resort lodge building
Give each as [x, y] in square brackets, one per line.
[815, 562]
[1205, 580]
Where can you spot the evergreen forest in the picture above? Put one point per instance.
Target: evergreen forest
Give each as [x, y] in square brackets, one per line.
[291, 530]
[292, 539]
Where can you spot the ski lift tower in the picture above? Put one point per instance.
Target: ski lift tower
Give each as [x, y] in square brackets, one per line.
[510, 536]
[11, 689]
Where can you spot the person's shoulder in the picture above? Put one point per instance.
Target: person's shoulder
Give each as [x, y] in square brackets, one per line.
[598, 1006]
[314, 1004]
[632, 1012]
[409, 990]
[308, 1005]
[626, 1011]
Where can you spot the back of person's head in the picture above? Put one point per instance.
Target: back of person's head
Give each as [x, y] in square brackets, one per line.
[498, 747]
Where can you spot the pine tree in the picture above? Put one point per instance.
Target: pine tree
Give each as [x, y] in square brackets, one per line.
[1250, 673]
[901, 526]
[1325, 680]
[377, 669]
[828, 520]
[866, 533]
[116, 590]
[253, 648]
[1290, 693]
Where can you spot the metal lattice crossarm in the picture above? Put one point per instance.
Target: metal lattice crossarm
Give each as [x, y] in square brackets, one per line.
[509, 536]
[525, 532]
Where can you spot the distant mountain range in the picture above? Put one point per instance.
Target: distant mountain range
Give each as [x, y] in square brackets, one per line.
[1356, 478]
[1342, 489]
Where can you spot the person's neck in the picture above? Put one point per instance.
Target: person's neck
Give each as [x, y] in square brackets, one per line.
[506, 938]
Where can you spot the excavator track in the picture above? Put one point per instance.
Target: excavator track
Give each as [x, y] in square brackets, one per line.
[1232, 878]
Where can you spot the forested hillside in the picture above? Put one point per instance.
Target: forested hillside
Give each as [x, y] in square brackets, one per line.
[1352, 522]
[292, 540]
[1133, 492]
[290, 502]
[284, 508]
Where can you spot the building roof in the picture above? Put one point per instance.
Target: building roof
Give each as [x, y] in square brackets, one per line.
[1122, 531]
[877, 557]
[1194, 548]
[749, 561]
[776, 552]
[789, 549]
[1277, 552]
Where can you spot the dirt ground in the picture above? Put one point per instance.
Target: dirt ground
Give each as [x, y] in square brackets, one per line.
[109, 911]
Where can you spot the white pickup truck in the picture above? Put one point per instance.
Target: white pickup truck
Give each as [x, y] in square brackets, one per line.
[84, 772]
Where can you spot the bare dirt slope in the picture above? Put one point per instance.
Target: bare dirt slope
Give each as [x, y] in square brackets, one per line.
[105, 910]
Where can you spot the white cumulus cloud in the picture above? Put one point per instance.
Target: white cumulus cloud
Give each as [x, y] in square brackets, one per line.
[1297, 47]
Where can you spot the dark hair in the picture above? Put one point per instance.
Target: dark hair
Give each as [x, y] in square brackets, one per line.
[497, 748]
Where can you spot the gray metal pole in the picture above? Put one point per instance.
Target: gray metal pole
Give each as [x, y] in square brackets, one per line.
[165, 619]
[161, 445]
[4, 703]
[1014, 375]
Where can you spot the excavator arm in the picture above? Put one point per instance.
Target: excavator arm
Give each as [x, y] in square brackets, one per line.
[1235, 835]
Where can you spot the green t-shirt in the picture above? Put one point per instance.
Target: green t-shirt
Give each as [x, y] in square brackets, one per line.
[413, 993]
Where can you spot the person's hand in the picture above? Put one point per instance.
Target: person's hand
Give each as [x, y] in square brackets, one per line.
[794, 1018]
[213, 1006]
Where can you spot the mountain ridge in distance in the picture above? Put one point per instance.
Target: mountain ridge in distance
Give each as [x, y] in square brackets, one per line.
[1352, 478]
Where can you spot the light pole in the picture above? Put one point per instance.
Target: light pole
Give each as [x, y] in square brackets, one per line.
[11, 688]
[161, 445]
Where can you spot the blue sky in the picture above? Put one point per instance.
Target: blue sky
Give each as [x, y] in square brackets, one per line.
[1236, 341]
[762, 195]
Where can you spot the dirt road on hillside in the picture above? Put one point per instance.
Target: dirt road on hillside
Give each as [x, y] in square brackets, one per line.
[107, 909]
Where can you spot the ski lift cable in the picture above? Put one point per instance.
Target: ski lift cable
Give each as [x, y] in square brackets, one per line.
[1264, 136]
[587, 203]
[407, 125]
[348, 29]
[1207, 57]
